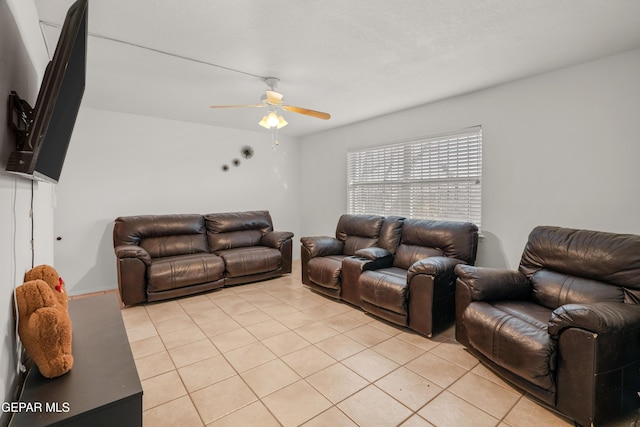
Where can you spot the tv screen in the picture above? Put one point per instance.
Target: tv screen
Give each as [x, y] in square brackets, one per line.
[45, 131]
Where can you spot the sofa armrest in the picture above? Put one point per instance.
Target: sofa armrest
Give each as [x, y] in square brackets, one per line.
[491, 284]
[373, 253]
[275, 239]
[132, 251]
[322, 246]
[433, 266]
[599, 318]
[132, 262]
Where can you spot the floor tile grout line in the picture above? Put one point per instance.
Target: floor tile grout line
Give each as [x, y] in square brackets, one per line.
[279, 357]
[236, 374]
[474, 405]
[227, 361]
[373, 383]
[184, 385]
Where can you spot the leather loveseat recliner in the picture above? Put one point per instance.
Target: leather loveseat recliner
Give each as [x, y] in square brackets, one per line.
[413, 283]
[565, 327]
[167, 256]
[398, 269]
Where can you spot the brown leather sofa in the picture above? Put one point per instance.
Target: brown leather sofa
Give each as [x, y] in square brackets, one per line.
[167, 256]
[565, 327]
[398, 269]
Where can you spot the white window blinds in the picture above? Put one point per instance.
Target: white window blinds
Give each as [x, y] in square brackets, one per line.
[432, 178]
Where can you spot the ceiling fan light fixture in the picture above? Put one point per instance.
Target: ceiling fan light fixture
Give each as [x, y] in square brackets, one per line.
[272, 120]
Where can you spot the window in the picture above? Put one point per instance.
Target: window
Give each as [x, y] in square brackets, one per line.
[435, 177]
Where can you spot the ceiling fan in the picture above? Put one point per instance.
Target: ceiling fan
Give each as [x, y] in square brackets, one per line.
[273, 100]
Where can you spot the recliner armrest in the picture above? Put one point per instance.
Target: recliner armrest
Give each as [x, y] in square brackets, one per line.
[491, 284]
[374, 258]
[373, 253]
[599, 317]
[433, 266]
[275, 239]
[322, 246]
[133, 251]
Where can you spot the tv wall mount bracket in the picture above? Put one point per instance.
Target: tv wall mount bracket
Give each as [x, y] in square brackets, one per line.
[20, 119]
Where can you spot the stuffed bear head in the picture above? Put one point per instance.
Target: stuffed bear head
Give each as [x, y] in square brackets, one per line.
[50, 276]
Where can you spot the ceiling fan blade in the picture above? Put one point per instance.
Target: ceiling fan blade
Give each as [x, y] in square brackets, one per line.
[307, 112]
[238, 106]
[274, 98]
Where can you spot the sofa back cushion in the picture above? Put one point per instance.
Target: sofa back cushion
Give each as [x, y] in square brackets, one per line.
[390, 233]
[406, 255]
[552, 290]
[425, 238]
[162, 235]
[580, 266]
[236, 229]
[358, 231]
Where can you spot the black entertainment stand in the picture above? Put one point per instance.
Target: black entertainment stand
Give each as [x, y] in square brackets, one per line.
[103, 387]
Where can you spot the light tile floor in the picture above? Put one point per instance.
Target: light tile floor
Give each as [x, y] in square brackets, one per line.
[275, 353]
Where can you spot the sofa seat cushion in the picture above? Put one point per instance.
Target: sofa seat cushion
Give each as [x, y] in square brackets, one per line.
[250, 260]
[514, 335]
[326, 271]
[386, 288]
[184, 270]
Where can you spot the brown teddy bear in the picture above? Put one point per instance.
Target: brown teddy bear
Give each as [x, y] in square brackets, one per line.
[43, 321]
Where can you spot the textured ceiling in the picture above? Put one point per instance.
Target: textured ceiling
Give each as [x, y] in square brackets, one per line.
[354, 59]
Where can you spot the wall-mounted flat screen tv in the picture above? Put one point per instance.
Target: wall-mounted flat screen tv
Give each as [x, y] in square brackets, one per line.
[43, 133]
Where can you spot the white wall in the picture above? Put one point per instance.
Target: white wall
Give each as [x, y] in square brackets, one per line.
[22, 62]
[560, 148]
[120, 164]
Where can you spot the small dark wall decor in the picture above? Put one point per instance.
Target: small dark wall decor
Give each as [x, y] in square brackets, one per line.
[247, 153]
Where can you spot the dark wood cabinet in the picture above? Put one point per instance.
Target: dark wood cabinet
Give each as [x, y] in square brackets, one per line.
[103, 387]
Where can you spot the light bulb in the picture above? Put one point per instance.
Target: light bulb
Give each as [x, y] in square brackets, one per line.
[272, 120]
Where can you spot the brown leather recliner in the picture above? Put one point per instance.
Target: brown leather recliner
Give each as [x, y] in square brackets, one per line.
[321, 256]
[565, 327]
